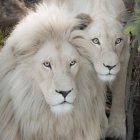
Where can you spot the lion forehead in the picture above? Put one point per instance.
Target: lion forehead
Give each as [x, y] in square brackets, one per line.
[55, 50]
[48, 49]
[104, 29]
[68, 50]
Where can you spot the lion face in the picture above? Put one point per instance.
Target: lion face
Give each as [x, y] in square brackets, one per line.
[56, 68]
[107, 43]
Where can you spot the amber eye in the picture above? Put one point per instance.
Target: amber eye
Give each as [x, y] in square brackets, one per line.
[118, 40]
[96, 41]
[47, 64]
[72, 63]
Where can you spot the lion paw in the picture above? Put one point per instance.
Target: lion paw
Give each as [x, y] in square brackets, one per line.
[117, 132]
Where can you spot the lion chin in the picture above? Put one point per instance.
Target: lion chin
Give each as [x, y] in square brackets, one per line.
[62, 109]
[107, 78]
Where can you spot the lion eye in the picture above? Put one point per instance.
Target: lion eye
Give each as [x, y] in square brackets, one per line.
[47, 64]
[72, 63]
[96, 41]
[118, 40]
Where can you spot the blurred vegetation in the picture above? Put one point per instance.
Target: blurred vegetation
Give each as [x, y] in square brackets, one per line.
[4, 33]
[1, 38]
[133, 24]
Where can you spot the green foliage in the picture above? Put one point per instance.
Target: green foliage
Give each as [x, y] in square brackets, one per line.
[4, 33]
[1, 38]
[133, 25]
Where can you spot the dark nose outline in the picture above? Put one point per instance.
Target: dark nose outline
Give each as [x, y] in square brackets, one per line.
[109, 67]
[63, 93]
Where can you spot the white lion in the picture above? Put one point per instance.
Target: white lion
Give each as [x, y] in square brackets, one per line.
[48, 88]
[110, 55]
[109, 52]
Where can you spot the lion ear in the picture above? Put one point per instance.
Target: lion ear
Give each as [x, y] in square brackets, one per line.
[123, 17]
[84, 21]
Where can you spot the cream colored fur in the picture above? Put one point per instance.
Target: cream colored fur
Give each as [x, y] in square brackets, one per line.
[30, 107]
[106, 25]
[107, 53]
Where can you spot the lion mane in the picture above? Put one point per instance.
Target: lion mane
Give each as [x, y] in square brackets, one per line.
[24, 113]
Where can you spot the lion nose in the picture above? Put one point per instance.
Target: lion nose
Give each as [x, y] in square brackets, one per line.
[109, 67]
[64, 93]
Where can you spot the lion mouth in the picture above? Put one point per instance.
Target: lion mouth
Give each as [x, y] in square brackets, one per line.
[107, 77]
[64, 102]
[63, 107]
[108, 74]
